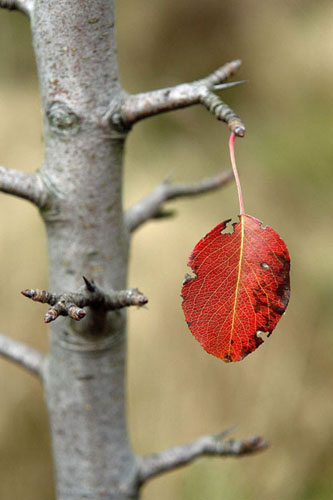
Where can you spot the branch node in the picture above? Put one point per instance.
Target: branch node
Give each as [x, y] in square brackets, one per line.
[116, 120]
[72, 304]
[136, 107]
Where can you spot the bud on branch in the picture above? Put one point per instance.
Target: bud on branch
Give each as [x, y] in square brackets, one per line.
[89, 295]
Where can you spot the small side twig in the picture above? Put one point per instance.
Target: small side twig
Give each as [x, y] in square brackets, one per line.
[136, 107]
[21, 354]
[152, 205]
[90, 295]
[165, 461]
[25, 6]
[23, 185]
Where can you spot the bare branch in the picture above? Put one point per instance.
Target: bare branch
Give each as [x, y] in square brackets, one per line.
[25, 6]
[21, 354]
[165, 461]
[222, 112]
[23, 185]
[136, 107]
[151, 206]
[71, 304]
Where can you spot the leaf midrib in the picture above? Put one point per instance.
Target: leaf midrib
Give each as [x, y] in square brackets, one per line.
[237, 282]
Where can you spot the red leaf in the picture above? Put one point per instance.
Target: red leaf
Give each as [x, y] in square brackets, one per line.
[241, 287]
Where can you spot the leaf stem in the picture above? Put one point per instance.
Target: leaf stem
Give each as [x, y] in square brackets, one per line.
[234, 168]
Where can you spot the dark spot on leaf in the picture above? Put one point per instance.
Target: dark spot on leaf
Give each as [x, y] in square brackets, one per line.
[278, 309]
[283, 291]
[266, 321]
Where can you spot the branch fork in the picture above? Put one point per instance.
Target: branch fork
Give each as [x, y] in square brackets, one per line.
[152, 206]
[173, 458]
[89, 295]
[136, 107]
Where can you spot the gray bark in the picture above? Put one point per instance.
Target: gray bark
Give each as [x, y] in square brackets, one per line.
[139, 106]
[27, 186]
[21, 354]
[179, 456]
[85, 372]
[78, 189]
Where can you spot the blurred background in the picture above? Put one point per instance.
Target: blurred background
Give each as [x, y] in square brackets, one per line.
[176, 391]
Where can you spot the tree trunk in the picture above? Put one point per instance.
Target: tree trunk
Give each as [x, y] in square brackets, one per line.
[85, 371]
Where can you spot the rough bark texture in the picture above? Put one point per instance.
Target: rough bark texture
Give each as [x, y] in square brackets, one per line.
[85, 372]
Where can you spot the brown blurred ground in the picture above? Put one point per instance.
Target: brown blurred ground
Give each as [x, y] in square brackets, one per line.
[176, 390]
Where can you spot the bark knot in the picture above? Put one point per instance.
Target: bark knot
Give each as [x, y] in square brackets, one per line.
[62, 120]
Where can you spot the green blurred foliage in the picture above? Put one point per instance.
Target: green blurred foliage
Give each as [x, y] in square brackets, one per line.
[177, 391]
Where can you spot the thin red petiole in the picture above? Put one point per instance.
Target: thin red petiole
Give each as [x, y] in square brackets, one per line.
[234, 168]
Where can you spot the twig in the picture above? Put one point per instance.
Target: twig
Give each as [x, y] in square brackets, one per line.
[151, 206]
[21, 354]
[153, 465]
[25, 6]
[71, 304]
[135, 107]
[23, 185]
[222, 112]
